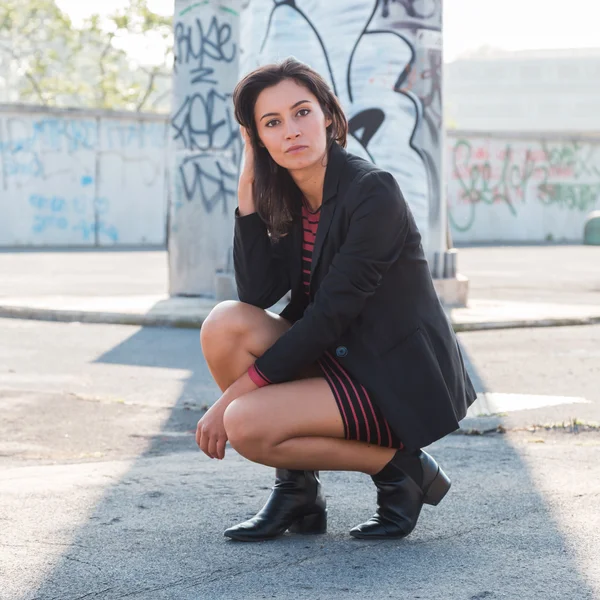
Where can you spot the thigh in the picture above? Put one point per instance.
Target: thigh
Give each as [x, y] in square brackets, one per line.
[264, 329]
[236, 333]
[278, 412]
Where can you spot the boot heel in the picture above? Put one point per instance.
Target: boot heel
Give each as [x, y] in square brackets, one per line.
[310, 524]
[437, 489]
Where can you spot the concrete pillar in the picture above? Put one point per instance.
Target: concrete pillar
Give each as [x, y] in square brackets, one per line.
[205, 145]
[383, 59]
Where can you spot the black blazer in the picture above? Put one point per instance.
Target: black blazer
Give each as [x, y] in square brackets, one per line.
[372, 301]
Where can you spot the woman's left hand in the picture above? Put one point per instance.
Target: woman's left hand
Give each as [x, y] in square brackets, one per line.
[210, 431]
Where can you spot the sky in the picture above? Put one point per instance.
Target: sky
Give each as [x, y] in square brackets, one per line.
[468, 24]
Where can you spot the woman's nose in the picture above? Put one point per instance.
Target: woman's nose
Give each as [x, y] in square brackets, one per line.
[292, 131]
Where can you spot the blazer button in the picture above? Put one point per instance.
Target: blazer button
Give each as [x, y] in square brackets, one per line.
[341, 351]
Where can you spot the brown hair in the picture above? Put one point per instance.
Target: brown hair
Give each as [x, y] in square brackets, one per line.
[276, 196]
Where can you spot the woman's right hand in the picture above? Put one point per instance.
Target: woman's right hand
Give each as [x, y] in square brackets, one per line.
[247, 172]
[246, 181]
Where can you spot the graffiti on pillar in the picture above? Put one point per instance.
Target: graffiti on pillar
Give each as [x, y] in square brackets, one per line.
[205, 141]
[205, 178]
[383, 61]
[202, 119]
[502, 189]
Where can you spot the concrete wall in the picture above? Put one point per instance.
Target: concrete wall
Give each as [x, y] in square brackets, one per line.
[81, 178]
[518, 188]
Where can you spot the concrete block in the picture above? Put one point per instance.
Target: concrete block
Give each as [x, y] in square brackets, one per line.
[225, 287]
[453, 292]
[591, 229]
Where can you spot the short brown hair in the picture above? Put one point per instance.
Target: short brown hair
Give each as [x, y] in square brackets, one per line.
[276, 196]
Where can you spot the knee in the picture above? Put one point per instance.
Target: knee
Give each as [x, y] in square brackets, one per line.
[226, 321]
[244, 432]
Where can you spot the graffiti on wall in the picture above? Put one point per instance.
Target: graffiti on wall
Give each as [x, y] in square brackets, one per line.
[207, 146]
[64, 180]
[383, 61]
[71, 214]
[202, 119]
[515, 183]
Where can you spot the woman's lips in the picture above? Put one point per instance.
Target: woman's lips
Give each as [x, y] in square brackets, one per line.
[295, 149]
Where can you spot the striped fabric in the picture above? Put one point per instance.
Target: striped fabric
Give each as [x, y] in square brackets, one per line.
[362, 418]
[257, 377]
[310, 222]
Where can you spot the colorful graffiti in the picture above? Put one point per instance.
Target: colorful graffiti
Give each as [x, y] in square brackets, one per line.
[503, 189]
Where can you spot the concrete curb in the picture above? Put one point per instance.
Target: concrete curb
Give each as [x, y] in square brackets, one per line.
[480, 425]
[194, 321]
[110, 318]
[525, 323]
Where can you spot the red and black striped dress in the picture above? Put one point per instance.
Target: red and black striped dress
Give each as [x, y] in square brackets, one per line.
[362, 419]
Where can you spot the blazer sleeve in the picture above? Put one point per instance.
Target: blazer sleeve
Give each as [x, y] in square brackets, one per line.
[376, 234]
[261, 271]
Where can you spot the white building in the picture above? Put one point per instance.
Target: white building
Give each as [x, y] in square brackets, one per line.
[524, 91]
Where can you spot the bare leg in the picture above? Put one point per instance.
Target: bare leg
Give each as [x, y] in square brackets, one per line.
[235, 334]
[304, 429]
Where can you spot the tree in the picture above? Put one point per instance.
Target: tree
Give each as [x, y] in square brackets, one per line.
[46, 60]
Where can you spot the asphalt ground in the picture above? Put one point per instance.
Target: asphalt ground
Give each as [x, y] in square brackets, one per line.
[105, 495]
[557, 274]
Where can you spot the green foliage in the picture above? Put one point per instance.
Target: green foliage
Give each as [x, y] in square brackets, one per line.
[46, 60]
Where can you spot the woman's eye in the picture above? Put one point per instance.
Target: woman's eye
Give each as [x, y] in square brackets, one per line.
[302, 112]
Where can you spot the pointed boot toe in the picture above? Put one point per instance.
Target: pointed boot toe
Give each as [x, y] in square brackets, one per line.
[377, 528]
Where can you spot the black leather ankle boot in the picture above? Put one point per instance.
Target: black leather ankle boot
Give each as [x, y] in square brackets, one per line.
[297, 503]
[400, 498]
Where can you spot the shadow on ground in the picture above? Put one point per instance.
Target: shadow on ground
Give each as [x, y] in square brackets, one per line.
[156, 530]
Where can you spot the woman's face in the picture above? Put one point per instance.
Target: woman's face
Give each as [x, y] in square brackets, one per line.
[291, 125]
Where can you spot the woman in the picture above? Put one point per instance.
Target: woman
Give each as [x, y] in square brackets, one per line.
[362, 368]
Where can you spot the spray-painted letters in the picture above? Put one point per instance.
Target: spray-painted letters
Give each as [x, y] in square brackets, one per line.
[507, 189]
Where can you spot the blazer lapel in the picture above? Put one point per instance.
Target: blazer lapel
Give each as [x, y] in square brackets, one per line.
[335, 163]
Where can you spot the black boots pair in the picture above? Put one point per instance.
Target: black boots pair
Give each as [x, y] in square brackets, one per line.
[297, 502]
